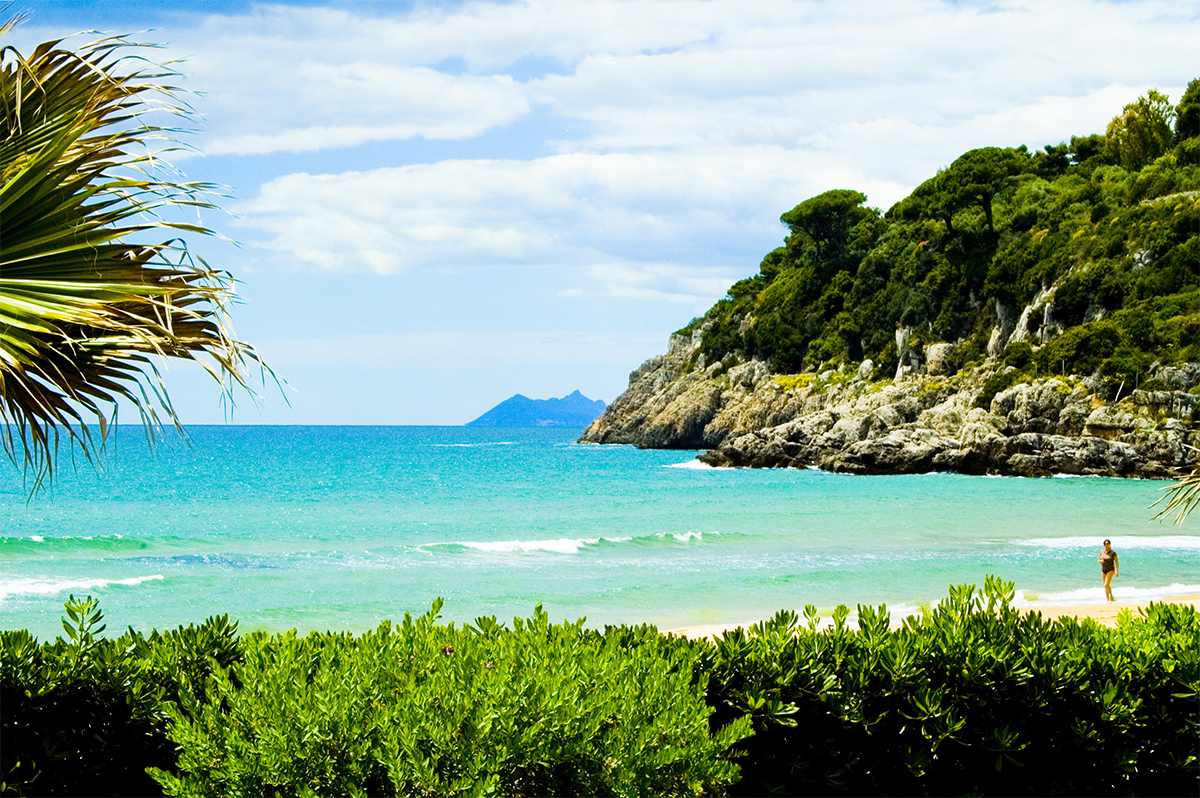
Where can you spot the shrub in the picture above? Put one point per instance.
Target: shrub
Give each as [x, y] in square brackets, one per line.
[1018, 354]
[974, 697]
[427, 709]
[1000, 381]
[83, 715]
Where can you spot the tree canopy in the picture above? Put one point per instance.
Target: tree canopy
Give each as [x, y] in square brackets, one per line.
[1112, 251]
[826, 219]
[1142, 132]
[1187, 113]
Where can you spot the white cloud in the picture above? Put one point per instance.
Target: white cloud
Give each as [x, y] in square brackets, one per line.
[574, 210]
[381, 103]
[703, 120]
[668, 73]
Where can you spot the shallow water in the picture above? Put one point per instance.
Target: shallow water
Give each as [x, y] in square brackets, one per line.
[341, 527]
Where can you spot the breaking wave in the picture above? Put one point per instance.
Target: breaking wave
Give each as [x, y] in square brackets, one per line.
[576, 545]
[48, 586]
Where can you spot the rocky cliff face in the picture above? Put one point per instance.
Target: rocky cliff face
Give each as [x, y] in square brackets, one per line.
[920, 421]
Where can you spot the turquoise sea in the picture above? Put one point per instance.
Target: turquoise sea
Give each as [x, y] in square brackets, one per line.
[341, 527]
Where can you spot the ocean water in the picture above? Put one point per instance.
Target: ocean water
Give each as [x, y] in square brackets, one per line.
[342, 527]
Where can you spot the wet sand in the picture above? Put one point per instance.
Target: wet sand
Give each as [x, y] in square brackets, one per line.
[1106, 614]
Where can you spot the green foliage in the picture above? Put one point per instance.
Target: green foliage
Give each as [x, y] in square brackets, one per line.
[83, 714]
[1080, 350]
[1142, 132]
[978, 176]
[984, 236]
[1187, 113]
[427, 709]
[971, 698]
[827, 219]
[1018, 354]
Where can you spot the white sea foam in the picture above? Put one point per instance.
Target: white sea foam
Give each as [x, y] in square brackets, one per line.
[559, 546]
[564, 545]
[34, 586]
[1120, 543]
[692, 465]
[1095, 595]
[37, 538]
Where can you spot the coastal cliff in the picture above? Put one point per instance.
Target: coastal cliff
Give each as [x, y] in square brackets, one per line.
[844, 421]
[1020, 312]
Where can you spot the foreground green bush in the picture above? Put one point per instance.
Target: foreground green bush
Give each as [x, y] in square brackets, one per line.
[973, 697]
[84, 715]
[427, 709]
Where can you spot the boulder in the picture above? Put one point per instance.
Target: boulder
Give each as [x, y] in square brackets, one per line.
[937, 359]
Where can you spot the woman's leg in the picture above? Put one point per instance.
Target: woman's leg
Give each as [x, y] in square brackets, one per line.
[1108, 585]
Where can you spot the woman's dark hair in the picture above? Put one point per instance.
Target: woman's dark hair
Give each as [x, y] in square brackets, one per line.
[1108, 541]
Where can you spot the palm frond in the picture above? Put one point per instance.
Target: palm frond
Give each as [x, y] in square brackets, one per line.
[1182, 497]
[85, 301]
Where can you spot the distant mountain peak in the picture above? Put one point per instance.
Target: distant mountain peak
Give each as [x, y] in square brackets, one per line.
[572, 410]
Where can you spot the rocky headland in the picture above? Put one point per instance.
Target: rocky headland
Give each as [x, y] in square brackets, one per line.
[918, 421]
[1023, 312]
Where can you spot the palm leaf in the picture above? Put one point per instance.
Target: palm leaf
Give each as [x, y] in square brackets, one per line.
[1183, 496]
[89, 290]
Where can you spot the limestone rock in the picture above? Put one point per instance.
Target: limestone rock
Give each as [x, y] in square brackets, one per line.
[839, 421]
[1180, 376]
[937, 359]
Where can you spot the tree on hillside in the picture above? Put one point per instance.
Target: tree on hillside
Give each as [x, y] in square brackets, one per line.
[928, 200]
[979, 175]
[89, 290]
[1141, 132]
[974, 179]
[1187, 113]
[827, 218]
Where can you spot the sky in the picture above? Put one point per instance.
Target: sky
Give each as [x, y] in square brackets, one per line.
[432, 206]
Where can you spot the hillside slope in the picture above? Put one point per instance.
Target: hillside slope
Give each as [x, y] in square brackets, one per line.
[1020, 312]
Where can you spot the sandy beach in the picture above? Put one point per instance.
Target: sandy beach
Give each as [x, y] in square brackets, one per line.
[1105, 614]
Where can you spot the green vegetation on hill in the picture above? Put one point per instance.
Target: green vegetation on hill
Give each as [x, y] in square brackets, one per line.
[1101, 235]
[971, 697]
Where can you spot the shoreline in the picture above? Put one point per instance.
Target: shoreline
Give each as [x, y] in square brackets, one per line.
[1105, 614]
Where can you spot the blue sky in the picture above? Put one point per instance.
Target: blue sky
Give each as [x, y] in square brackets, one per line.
[440, 204]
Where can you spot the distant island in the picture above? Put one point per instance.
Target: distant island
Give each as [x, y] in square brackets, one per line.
[575, 410]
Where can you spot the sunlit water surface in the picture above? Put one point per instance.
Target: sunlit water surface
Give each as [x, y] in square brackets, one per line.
[341, 527]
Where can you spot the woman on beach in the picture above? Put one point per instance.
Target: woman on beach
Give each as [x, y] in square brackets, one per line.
[1109, 567]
